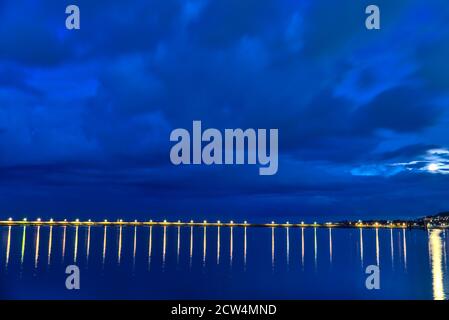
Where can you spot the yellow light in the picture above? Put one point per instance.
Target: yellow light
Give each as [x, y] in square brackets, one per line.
[65, 220]
[232, 222]
[191, 221]
[218, 222]
[105, 220]
[135, 221]
[151, 221]
[24, 219]
[165, 221]
[89, 220]
[9, 219]
[179, 221]
[204, 221]
[38, 220]
[288, 222]
[121, 220]
[77, 220]
[314, 223]
[245, 222]
[51, 220]
[272, 222]
[302, 222]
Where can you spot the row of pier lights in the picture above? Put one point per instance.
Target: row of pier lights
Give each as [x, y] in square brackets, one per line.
[121, 222]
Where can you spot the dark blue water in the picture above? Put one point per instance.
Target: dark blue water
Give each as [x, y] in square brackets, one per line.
[225, 263]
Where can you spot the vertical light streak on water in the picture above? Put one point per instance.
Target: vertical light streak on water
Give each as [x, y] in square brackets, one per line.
[134, 248]
[231, 245]
[105, 237]
[436, 247]
[150, 247]
[164, 247]
[75, 251]
[64, 234]
[50, 239]
[36, 256]
[330, 245]
[361, 246]
[392, 248]
[404, 239]
[302, 247]
[22, 254]
[244, 248]
[119, 253]
[178, 246]
[444, 249]
[315, 241]
[377, 248]
[288, 245]
[191, 247]
[218, 245]
[272, 248]
[8, 246]
[24, 232]
[88, 245]
[429, 249]
[204, 245]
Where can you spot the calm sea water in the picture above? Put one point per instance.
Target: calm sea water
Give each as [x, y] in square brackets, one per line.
[222, 263]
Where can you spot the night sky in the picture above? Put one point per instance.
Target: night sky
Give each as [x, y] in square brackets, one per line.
[86, 115]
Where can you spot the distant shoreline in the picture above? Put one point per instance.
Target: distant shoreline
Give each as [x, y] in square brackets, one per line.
[437, 221]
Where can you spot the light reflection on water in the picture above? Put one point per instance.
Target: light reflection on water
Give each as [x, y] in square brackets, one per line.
[305, 263]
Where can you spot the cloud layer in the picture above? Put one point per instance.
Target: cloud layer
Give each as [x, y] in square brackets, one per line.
[85, 116]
